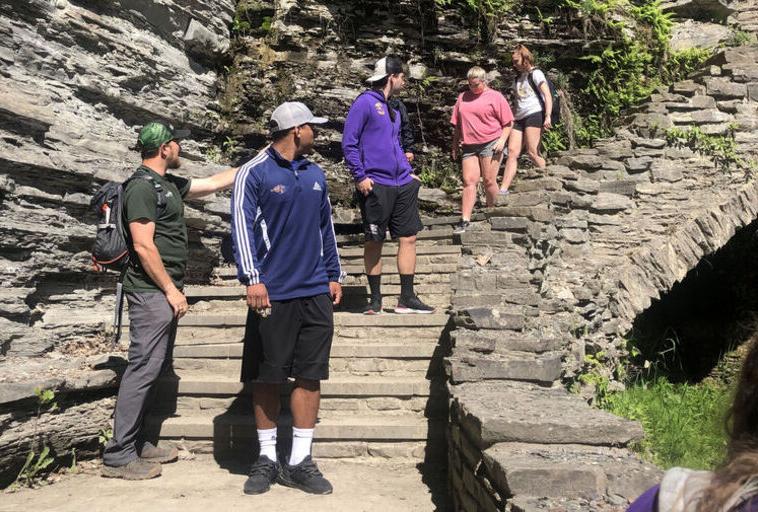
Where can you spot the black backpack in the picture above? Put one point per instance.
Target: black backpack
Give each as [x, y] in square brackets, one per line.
[555, 115]
[111, 250]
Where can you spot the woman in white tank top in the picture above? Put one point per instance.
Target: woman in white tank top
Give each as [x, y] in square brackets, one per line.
[531, 119]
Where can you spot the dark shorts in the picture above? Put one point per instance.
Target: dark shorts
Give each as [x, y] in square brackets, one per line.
[535, 120]
[393, 207]
[293, 341]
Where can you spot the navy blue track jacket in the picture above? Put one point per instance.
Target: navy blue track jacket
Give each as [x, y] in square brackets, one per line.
[282, 227]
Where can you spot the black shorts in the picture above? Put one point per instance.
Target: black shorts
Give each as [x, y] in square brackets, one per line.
[535, 120]
[393, 207]
[293, 341]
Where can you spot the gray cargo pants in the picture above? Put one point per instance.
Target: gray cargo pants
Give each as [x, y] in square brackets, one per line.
[152, 330]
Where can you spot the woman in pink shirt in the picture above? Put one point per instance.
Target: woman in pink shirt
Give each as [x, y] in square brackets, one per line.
[482, 121]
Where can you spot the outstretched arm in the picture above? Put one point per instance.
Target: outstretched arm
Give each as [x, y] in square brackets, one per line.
[204, 186]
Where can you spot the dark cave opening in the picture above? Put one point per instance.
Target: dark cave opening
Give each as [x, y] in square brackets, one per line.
[710, 312]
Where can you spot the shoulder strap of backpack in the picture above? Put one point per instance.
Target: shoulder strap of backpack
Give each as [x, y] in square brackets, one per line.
[161, 202]
[536, 89]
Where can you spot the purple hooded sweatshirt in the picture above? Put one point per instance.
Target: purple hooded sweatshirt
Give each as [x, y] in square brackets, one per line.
[371, 142]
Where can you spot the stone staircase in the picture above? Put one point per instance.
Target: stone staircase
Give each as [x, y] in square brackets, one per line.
[386, 393]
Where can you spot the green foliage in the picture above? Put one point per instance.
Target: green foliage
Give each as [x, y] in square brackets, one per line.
[554, 140]
[436, 170]
[240, 24]
[486, 13]
[34, 466]
[105, 435]
[721, 148]
[740, 38]
[683, 423]
[46, 398]
[684, 62]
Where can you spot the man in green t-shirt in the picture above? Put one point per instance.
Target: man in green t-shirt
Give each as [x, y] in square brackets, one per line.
[157, 235]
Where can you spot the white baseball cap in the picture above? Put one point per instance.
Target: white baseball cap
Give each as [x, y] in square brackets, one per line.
[383, 68]
[291, 114]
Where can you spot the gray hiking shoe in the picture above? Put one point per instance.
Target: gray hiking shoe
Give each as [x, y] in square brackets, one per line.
[162, 455]
[138, 469]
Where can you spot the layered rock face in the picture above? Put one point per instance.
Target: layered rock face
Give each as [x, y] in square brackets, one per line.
[77, 79]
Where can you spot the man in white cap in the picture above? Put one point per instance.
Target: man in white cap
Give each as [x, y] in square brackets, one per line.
[387, 190]
[286, 254]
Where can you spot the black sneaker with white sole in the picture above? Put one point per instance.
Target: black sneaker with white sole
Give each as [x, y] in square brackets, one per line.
[461, 227]
[412, 305]
[374, 307]
[305, 476]
[263, 473]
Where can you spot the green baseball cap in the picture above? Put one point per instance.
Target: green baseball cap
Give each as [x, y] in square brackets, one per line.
[153, 134]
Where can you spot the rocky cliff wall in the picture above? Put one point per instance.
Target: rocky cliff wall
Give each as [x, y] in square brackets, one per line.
[77, 79]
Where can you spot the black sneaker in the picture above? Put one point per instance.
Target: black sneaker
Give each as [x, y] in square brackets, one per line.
[305, 476]
[409, 305]
[263, 473]
[374, 307]
[461, 227]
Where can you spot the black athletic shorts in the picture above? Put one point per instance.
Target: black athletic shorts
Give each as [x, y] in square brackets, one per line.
[393, 207]
[535, 120]
[293, 341]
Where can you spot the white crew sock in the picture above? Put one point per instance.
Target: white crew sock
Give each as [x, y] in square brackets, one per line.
[301, 444]
[267, 440]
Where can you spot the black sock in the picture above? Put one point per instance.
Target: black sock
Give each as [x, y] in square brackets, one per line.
[375, 285]
[406, 285]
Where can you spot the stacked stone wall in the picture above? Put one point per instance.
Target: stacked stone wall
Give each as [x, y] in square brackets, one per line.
[561, 269]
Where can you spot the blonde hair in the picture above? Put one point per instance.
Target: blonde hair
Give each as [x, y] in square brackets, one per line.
[476, 72]
[526, 55]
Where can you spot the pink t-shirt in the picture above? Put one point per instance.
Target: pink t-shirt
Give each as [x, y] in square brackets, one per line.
[481, 117]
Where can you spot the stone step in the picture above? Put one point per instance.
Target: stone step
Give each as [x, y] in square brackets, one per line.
[439, 233]
[236, 318]
[329, 406]
[199, 292]
[390, 250]
[189, 335]
[387, 261]
[349, 365]
[394, 452]
[339, 350]
[339, 385]
[533, 504]
[544, 368]
[351, 302]
[356, 268]
[567, 471]
[394, 279]
[507, 411]
[349, 427]
[500, 342]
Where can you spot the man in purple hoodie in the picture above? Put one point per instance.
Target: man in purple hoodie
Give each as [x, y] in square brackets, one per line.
[387, 189]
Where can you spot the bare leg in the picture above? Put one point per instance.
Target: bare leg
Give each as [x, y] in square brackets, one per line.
[533, 136]
[266, 405]
[490, 167]
[304, 402]
[471, 175]
[372, 258]
[514, 151]
[406, 255]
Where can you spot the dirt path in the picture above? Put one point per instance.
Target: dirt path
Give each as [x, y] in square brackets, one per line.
[201, 485]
